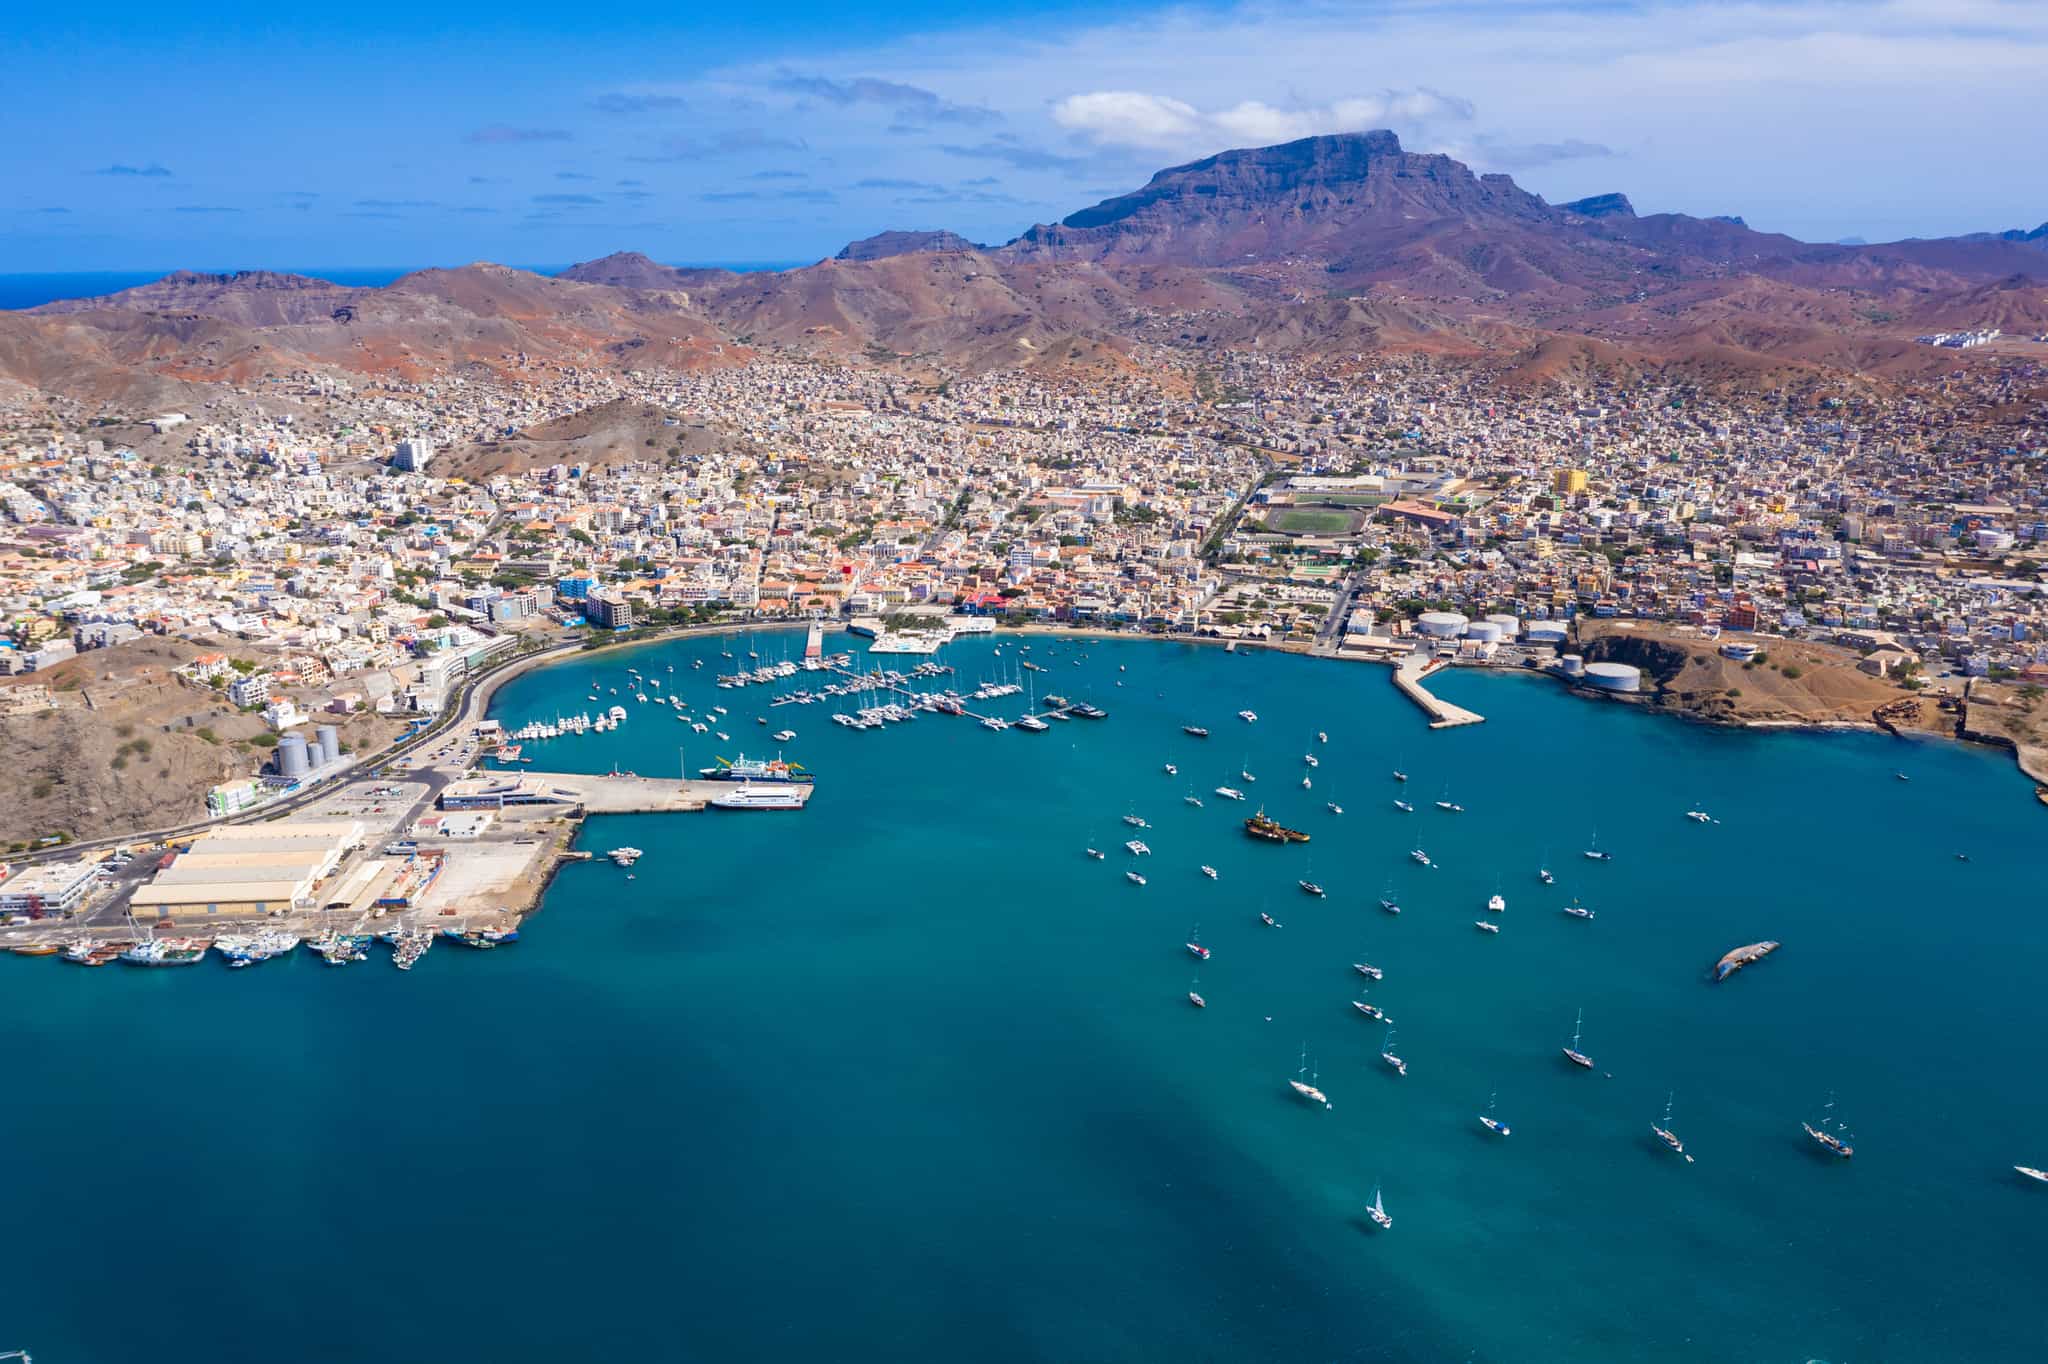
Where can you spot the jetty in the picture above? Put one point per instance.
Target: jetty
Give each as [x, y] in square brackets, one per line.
[1741, 957]
[1408, 675]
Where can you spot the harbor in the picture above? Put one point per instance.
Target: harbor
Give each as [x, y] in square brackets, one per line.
[1408, 675]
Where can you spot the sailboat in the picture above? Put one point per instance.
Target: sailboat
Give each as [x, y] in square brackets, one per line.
[1378, 1212]
[1388, 1055]
[1387, 900]
[1488, 1121]
[1307, 1088]
[1194, 996]
[2031, 1173]
[1572, 1053]
[1593, 853]
[1447, 805]
[1577, 910]
[1308, 884]
[1831, 1134]
[1667, 1136]
[1194, 945]
[1543, 870]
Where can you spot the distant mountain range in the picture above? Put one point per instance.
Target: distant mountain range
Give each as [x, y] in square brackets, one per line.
[1342, 243]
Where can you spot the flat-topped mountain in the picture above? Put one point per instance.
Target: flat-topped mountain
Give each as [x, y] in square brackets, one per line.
[884, 244]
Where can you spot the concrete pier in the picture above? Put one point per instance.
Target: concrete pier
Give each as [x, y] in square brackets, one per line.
[1408, 674]
[596, 793]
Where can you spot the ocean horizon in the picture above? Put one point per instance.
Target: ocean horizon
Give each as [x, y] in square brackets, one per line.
[33, 289]
[913, 1061]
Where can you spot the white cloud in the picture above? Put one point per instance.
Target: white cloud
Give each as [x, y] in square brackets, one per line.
[1128, 118]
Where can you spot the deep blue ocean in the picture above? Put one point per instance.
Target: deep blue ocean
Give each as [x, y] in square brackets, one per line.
[908, 1076]
[33, 290]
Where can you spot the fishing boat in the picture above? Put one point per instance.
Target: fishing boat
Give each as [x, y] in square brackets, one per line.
[1208, 871]
[1393, 1059]
[1268, 920]
[1486, 925]
[1572, 1052]
[1368, 970]
[1306, 1088]
[1488, 1121]
[1378, 1212]
[1667, 1136]
[1577, 910]
[36, 949]
[1830, 1134]
[1497, 903]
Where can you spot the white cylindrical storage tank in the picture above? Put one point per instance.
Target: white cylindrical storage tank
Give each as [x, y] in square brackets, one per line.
[1573, 665]
[1546, 632]
[1614, 676]
[292, 759]
[1483, 632]
[330, 742]
[1441, 624]
[1510, 626]
[316, 756]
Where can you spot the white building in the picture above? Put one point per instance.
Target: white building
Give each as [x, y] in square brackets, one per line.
[413, 455]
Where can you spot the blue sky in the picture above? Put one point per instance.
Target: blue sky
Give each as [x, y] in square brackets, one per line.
[240, 135]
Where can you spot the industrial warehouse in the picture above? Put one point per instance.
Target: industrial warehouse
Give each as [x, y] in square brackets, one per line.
[239, 872]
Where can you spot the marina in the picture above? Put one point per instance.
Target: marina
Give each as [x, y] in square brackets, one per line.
[687, 972]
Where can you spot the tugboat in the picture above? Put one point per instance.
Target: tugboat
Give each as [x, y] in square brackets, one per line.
[1577, 1057]
[1272, 831]
[1830, 1135]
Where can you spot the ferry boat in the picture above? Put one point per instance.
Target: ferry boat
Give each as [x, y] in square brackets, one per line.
[752, 797]
[1368, 970]
[1667, 1136]
[1830, 1134]
[1194, 731]
[1572, 1052]
[1496, 903]
[1378, 1212]
[1488, 1121]
[745, 769]
[1307, 1088]
[1272, 831]
[1229, 793]
[1393, 1060]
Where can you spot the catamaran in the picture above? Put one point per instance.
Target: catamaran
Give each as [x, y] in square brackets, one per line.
[1137, 849]
[1307, 1088]
[1490, 1122]
[1497, 903]
[1831, 1134]
[1667, 1136]
[1572, 1053]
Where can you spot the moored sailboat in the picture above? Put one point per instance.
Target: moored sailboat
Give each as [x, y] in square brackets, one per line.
[1572, 1052]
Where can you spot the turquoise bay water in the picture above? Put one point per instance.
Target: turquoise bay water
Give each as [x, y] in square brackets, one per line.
[908, 1076]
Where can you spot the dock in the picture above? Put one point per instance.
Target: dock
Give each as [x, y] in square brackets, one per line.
[1408, 675]
[605, 793]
